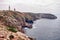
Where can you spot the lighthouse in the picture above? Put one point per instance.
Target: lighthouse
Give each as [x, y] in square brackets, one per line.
[14, 9]
[9, 8]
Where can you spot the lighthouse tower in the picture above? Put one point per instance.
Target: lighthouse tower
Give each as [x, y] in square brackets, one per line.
[9, 8]
[14, 9]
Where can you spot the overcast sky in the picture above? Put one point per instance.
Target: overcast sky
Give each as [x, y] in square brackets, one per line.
[43, 6]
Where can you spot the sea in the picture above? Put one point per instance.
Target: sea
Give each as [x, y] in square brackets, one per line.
[45, 29]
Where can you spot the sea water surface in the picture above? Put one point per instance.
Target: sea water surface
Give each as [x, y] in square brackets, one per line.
[45, 29]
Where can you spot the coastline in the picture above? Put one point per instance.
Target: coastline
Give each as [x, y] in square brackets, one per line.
[13, 22]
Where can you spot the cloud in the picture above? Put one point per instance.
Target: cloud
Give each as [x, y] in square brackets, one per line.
[32, 5]
[29, 2]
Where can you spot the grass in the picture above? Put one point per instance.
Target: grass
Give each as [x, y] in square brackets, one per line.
[11, 28]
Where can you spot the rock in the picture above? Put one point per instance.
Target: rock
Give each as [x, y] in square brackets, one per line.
[8, 35]
[14, 20]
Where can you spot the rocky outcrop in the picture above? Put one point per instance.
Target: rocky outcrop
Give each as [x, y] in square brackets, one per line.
[12, 25]
[8, 35]
[15, 19]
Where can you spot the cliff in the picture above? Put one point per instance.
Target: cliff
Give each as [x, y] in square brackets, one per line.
[8, 35]
[13, 22]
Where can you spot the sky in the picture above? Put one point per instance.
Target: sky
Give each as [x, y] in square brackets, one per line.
[41, 6]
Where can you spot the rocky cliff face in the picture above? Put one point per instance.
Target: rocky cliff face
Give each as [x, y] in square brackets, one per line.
[15, 19]
[13, 23]
[8, 35]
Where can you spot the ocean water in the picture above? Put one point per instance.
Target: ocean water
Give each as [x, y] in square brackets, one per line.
[45, 29]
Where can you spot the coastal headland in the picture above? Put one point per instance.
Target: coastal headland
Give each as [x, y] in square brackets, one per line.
[12, 23]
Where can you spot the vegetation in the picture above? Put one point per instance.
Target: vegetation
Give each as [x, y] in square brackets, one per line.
[11, 28]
